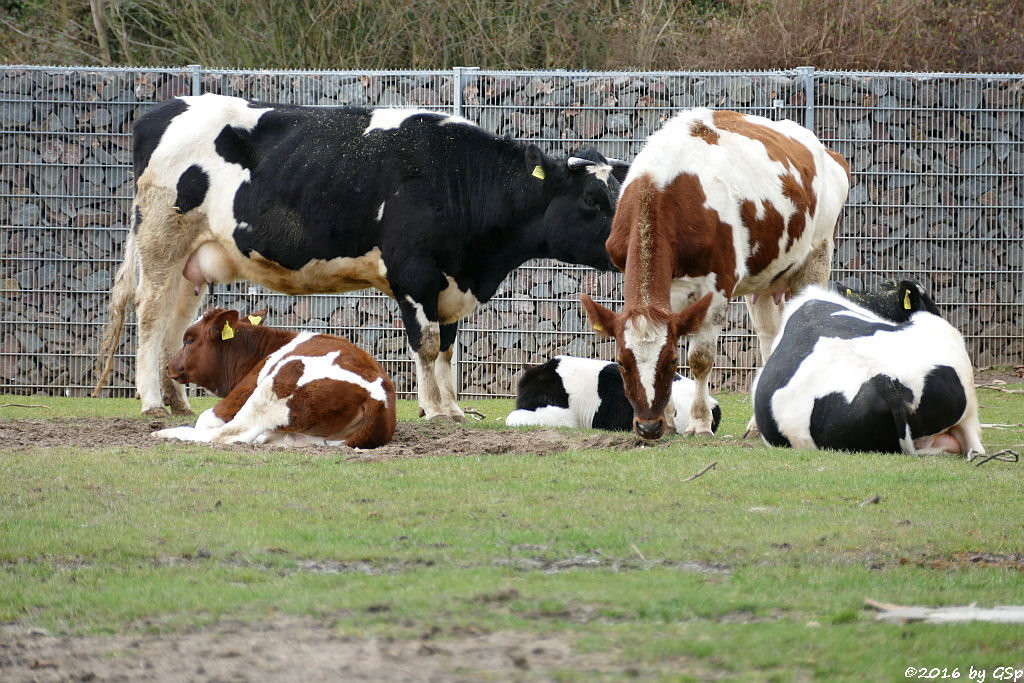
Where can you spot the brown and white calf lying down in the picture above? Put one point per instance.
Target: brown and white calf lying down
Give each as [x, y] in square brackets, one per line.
[281, 387]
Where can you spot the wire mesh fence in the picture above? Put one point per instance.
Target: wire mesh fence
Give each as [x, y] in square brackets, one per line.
[938, 195]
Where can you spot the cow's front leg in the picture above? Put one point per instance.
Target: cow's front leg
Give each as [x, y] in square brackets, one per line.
[701, 359]
[424, 333]
[443, 372]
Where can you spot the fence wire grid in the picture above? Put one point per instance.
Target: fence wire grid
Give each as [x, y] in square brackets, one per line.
[937, 195]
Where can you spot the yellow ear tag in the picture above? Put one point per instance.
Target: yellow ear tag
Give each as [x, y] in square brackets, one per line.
[598, 328]
[538, 172]
[849, 292]
[906, 300]
[228, 332]
[255, 319]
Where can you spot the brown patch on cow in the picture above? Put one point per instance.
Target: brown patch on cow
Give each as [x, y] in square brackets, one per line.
[697, 241]
[700, 130]
[797, 185]
[286, 378]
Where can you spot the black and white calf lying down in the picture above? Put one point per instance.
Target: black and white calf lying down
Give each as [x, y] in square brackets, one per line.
[841, 377]
[584, 393]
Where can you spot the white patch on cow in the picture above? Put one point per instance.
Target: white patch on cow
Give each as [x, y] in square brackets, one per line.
[547, 416]
[601, 171]
[688, 290]
[843, 366]
[325, 367]
[454, 304]
[244, 227]
[208, 420]
[645, 339]
[380, 212]
[187, 434]
[390, 119]
[189, 140]
[421, 317]
[580, 380]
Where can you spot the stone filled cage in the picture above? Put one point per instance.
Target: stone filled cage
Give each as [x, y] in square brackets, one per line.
[938, 195]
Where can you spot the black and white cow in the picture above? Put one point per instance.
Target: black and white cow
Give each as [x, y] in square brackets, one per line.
[895, 301]
[428, 208]
[576, 392]
[840, 377]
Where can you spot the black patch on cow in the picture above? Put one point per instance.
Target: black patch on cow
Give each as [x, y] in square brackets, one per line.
[192, 188]
[942, 404]
[541, 386]
[449, 332]
[716, 418]
[235, 146]
[150, 128]
[875, 420]
[614, 412]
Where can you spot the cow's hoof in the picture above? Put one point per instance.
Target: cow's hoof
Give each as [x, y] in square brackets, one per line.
[182, 410]
[699, 432]
[158, 411]
[442, 417]
[752, 433]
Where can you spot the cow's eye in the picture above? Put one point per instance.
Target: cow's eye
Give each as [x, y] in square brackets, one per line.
[187, 340]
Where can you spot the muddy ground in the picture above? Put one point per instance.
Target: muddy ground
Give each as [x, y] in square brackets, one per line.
[412, 439]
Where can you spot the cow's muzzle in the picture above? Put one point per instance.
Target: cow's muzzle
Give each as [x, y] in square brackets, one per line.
[649, 429]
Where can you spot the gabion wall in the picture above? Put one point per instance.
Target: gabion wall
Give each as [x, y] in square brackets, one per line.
[938, 163]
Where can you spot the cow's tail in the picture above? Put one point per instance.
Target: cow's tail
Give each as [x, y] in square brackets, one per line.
[890, 392]
[122, 294]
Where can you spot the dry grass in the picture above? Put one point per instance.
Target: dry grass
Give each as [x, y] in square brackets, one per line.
[921, 35]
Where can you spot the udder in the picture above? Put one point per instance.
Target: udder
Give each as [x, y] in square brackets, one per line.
[209, 263]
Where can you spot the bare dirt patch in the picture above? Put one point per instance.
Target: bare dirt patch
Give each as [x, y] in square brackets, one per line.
[289, 649]
[412, 439]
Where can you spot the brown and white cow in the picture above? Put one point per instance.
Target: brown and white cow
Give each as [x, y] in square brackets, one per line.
[281, 387]
[723, 203]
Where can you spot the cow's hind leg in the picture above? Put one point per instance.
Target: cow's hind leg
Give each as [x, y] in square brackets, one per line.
[765, 315]
[164, 300]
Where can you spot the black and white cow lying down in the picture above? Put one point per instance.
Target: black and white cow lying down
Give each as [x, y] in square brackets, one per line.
[428, 208]
[584, 393]
[840, 377]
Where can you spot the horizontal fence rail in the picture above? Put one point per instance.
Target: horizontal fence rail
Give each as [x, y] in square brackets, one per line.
[938, 195]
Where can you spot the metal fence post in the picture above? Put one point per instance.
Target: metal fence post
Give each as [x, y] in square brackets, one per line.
[197, 81]
[459, 82]
[805, 74]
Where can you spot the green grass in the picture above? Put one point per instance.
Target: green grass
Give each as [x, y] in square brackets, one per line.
[757, 569]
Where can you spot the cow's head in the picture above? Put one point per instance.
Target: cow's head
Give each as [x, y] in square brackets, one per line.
[581, 192]
[647, 340]
[217, 350]
[895, 301]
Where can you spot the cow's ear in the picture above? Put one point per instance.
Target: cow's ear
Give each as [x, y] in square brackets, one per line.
[223, 325]
[690, 318]
[619, 168]
[257, 317]
[602, 319]
[536, 163]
